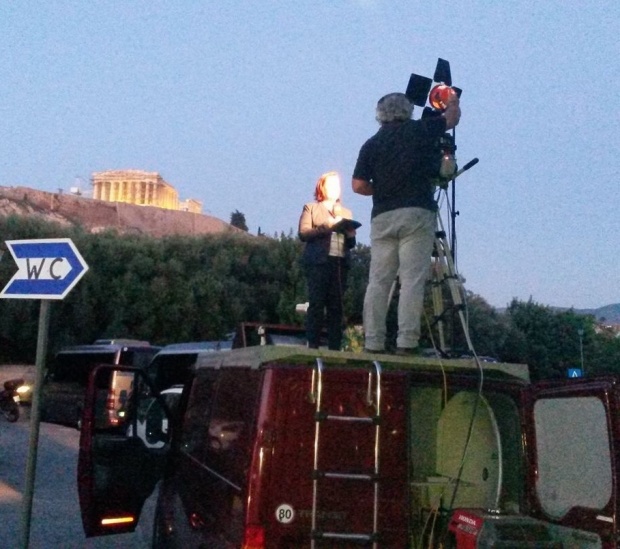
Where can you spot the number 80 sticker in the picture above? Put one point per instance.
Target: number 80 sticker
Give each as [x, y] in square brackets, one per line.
[285, 513]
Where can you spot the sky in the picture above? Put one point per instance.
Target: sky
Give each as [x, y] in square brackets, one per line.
[244, 104]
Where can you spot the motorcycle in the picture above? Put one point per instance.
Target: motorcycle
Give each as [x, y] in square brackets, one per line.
[9, 399]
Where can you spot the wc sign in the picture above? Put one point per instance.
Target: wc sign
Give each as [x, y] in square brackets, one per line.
[46, 269]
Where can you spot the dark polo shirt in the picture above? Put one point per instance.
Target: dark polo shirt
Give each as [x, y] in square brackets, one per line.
[397, 162]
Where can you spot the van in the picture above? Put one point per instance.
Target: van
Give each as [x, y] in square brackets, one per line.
[67, 375]
[172, 364]
[290, 448]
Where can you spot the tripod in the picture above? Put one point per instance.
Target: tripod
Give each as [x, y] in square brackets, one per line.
[444, 276]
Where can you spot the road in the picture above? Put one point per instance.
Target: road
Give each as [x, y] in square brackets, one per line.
[55, 520]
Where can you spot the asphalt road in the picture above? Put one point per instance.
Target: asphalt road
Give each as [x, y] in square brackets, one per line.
[55, 520]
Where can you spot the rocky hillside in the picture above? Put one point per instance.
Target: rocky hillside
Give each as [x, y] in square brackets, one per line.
[97, 215]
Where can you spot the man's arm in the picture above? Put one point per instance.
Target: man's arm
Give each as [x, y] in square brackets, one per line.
[361, 186]
[452, 112]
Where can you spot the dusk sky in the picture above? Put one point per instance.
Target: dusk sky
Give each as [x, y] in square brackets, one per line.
[243, 104]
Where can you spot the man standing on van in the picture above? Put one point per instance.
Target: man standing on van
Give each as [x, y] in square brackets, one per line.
[392, 167]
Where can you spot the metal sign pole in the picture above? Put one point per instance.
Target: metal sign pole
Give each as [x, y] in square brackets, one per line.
[47, 269]
[31, 465]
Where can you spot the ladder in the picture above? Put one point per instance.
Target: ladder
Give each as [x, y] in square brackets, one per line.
[373, 399]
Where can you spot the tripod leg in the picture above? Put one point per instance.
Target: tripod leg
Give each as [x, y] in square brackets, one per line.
[454, 284]
[437, 298]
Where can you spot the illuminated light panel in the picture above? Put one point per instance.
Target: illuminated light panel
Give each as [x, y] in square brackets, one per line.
[116, 520]
[254, 537]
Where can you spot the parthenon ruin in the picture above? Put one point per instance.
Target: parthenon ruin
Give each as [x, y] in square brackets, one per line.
[141, 188]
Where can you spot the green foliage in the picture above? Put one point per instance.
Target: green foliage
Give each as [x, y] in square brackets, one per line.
[545, 339]
[162, 290]
[237, 219]
[200, 288]
[356, 284]
[548, 341]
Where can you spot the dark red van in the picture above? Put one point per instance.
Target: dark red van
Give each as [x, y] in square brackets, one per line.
[290, 448]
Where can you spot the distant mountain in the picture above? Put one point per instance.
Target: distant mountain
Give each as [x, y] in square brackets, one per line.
[609, 313]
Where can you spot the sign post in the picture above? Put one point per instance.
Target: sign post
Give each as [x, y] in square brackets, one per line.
[47, 269]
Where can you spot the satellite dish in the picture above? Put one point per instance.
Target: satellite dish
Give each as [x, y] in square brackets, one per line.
[481, 476]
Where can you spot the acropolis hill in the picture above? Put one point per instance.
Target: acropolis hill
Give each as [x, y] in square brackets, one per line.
[97, 215]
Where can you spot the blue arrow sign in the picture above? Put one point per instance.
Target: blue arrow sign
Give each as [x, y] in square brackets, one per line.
[46, 269]
[575, 372]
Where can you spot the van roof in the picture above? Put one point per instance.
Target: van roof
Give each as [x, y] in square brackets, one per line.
[101, 348]
[120, 341]
[195, 347]
[255, 357]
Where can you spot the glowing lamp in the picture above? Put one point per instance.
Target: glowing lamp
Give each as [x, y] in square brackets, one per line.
[440, 95]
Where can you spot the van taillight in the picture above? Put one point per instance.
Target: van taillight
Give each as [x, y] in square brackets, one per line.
[254, 538]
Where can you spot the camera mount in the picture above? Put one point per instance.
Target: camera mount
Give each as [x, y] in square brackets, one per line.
[419, 92]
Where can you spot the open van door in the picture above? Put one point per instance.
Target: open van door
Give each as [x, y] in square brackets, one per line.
[120, 463]
[573, 447]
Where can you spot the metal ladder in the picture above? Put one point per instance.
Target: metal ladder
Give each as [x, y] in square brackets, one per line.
[373, 399]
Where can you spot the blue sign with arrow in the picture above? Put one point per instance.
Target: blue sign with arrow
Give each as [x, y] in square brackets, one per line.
[46, 269]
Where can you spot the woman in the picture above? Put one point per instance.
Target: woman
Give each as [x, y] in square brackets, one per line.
[326, 260]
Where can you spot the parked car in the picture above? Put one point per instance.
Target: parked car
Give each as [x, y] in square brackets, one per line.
[172, 364]
[286, 447]
[65, 382]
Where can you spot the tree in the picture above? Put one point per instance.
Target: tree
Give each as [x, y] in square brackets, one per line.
[548, 339]
[237, 219]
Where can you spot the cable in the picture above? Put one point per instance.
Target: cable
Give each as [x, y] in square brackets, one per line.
[446, 263]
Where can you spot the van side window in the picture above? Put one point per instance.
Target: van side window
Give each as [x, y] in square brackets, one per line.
[195, 421]
[228, 446]
[76, 367]
[126, 358]
[574, 460]
[173, 369]
[140, 359]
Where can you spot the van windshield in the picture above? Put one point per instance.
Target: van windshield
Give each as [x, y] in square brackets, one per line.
[173, 369]
[76, 367]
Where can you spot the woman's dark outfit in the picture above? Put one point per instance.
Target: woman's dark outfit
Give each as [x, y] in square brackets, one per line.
[326, 264]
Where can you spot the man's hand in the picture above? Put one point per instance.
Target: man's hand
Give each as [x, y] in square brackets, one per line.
[452, 112]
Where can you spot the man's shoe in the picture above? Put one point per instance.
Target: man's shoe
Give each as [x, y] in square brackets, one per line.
[408, 351]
